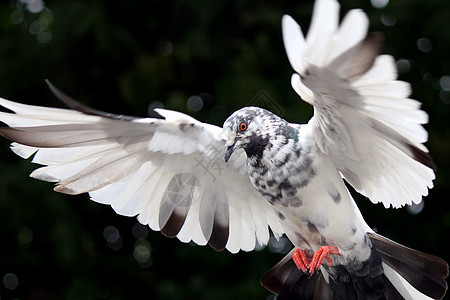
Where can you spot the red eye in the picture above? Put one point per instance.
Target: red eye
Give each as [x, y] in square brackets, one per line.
[243, 126]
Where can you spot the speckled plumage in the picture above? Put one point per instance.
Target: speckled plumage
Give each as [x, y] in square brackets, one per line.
[277, 162]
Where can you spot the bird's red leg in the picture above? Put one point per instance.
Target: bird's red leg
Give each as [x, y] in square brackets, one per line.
[320, 255]
[301, 259]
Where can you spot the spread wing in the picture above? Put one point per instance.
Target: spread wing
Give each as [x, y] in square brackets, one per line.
[170, 172]
[363, 119]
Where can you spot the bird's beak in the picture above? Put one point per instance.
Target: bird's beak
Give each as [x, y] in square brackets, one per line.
[230, 144]
[229, 151]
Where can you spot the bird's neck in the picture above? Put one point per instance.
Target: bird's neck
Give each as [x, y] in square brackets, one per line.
[274, 148]
[256, 147]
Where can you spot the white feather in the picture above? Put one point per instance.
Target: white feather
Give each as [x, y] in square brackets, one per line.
[403, 287]
[366, 125]
[129, 164]
[352, 30]
[23, 150]
[323, 24]
[294, 42]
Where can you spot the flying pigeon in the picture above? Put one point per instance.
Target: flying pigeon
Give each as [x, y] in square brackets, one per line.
[229, 187]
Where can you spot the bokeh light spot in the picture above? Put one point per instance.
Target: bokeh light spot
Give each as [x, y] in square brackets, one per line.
[112, 237]
[25, 236]
[414, 208]
[44, 37]
[164, 47]
[111, 234]
[444, 96]
[142, 252]
[379, 3]
[195, 103]
[10, 281]
[403, 66]
[388, 20]
[444, 82]
[34, 6]
[16, 17]
[424, 45]
[35, 27]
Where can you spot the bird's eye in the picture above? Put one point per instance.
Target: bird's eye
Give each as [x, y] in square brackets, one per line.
[243, 126]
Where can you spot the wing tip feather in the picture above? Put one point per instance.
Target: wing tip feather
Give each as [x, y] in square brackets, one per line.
[76, 105]
[65, 190]
[422, 157]
[173, 225]
[219, 237]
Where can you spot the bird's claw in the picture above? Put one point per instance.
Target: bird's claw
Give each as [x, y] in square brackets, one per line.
[303, 262]
[302, 259]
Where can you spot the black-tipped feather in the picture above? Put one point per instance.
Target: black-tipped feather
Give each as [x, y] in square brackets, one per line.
[428, 263]
[220, 231]
[424, 271]
[355, 62]
[219, 237]
[281, 276]
[422, 157]
[74, 104]
[173, 225]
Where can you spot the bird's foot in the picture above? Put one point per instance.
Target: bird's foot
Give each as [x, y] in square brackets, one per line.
[321, 254]
[302, 259]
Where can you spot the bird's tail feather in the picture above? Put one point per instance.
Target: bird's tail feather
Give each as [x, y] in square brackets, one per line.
[423, 271]
[392, 272]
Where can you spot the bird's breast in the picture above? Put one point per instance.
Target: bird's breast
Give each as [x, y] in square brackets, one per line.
[311, 200]
[280, 174]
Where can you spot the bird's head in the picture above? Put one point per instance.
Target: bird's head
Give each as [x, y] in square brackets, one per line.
[249, 128]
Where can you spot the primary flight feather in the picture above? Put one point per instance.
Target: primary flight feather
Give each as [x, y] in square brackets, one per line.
[227, 187]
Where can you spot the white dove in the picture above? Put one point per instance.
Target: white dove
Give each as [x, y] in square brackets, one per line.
[171, 173]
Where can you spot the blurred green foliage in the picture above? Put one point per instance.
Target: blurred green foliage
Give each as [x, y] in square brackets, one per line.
[127, 56]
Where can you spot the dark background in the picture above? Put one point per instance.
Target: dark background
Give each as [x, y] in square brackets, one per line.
[127, 56]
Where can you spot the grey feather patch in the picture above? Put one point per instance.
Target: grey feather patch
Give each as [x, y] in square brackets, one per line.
[183, 126]
[287, 189]
[214, 218]
[355, 62]
[422, 157]
[295, 201]
[219, 237]
[173, 225]
[353, 230]
[321, 224]
[220, 230]
[176, 202]
[312, 228]
[73, 135]
[334, 194]
[352, 178]
[403, 144]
